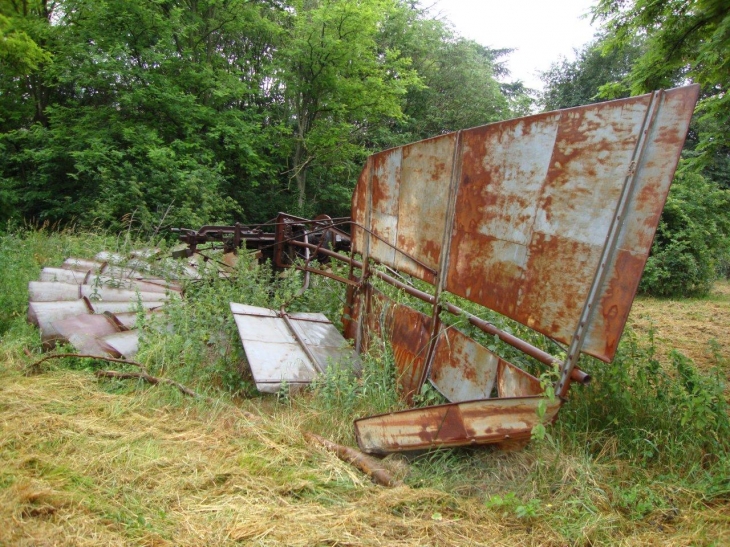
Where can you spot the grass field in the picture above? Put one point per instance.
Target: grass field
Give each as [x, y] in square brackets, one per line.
[699, 328]
[638, 458]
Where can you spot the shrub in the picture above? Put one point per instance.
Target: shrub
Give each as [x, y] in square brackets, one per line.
[692, 243]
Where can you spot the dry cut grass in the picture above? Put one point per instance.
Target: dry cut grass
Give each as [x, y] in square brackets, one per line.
[80, 465]
[689, 325]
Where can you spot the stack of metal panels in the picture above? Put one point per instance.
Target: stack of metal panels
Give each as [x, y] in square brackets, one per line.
[94, 304]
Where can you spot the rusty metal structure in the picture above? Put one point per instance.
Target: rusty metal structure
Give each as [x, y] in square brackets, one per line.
[94, 304]
[547, 220]
[274, 240]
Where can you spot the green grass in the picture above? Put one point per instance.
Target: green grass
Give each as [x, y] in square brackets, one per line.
[638, 457]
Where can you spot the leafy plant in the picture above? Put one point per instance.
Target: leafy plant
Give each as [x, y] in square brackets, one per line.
[692, 240]
[510, 504]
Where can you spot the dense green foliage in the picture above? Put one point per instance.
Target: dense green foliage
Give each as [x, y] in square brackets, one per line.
[692, 243]
[198, 111]
[685, 39]
[587, 78]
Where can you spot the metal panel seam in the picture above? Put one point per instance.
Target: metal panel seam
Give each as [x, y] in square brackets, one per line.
[609, 247]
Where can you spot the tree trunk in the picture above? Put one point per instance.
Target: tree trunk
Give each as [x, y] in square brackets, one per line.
[300, 174]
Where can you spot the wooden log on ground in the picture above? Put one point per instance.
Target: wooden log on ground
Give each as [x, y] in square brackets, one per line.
[367, 464]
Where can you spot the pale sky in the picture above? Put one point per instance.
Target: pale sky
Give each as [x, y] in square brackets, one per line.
[540, 31]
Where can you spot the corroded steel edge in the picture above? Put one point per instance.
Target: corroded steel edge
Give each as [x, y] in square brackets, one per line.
[466, 423]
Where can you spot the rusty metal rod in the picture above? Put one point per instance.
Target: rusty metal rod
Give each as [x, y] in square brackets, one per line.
[528, 349]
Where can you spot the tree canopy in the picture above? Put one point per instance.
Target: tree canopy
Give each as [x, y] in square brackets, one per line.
[199, 111]
[685, 40]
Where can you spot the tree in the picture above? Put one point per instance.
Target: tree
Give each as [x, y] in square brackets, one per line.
[336, 81]
[204, 111]
[693, 239]
[19, 54]
[150, 106]
[460, 78]
[595, 74]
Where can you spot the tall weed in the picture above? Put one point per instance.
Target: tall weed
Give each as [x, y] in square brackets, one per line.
[669, 414]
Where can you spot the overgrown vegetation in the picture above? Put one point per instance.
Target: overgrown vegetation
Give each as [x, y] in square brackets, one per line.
[692, 244]
[640, 455]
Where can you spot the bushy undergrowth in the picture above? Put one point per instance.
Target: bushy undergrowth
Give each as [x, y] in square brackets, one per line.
[24, 252]
[645, 437]
[692, 244]
[665, 415]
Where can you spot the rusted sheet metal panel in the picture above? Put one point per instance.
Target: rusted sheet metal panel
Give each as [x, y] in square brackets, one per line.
[515, 382]
[423, 198]
[410, 194]
[128, 319]
[386, 173]
[48, 291]
[278, 356]
[62, 275]
[406, 329]
[83, 331]
[377, 314]
[46, 314]
[360, 207]
[531, 228]
[503, 169]
[653, 178]
[409, 331]
[152, 284]
[273, 353]
[462, 369]
[324, 341]
[51, 291]
[455, 424]
[543, 280]
[351, 313]
[124, 344]
[535, 200]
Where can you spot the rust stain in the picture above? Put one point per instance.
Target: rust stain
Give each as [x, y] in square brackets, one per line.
[452, 427]
[462, 369]
[359, 209]
[615, 305]
[515, 382]
[385, 180]
[556, 283]
[455, 424]
[409, 334]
